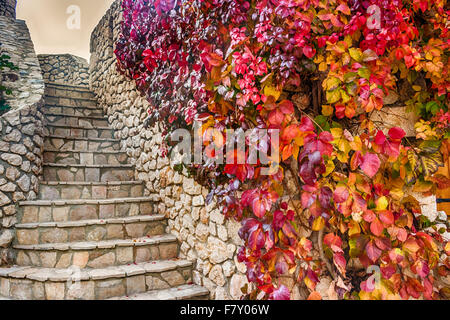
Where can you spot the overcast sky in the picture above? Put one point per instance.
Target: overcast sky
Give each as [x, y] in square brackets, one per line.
[62, 26]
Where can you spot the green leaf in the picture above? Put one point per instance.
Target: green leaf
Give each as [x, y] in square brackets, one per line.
[350, 76]
[356, 54]
[333, 96]
[364, 73]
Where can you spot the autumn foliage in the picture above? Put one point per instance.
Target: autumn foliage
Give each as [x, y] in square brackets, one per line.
[317, 70]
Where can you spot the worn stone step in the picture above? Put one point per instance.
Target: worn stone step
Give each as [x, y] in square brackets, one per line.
[63, 143]
[76, 87]
[90, 230]
[183, 292]
[54, 89]
[71, 102]
[73, 111]
[87, 131]
[98, 254]
[55, 190]
[85, 157]
[31, 283]
[82, 209]
[95, 121]
[87, 172]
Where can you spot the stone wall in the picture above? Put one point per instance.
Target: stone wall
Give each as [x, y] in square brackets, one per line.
[26, 84]
[8, 8]
[205, 237]
[64, 69]
[21, 130]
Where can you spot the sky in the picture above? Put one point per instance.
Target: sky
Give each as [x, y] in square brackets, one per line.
[62, 26]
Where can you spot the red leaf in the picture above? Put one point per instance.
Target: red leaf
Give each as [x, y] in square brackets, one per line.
[380, 138]
[369, 216]
[306, 124]
[286, 106]
[276, 117]
[376, 227]
[340, 194]
[421, 268]
[370, 164]
[386, 217]
[396, 133]
[373, 252]
[309, 52]
[282, 293]
[340, 262]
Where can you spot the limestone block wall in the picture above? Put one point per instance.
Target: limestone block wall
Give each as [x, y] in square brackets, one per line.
[26, 84]
[8, 8]
[205, 237]
[64, 69]
[21, 130]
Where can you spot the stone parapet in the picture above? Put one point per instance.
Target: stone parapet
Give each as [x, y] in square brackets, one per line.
[21, 130]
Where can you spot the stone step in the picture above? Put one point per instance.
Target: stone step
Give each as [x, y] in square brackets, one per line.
[71, 102]
[79, 131]
[90, 230]
[98, 254]
[94, 121]
[83, 209]
[54, 89]
[76, 87]
[73, 111]
[56, 190]
[183, 292]
[30, 283]
[86, 172]
[63, 143]
[85, 157]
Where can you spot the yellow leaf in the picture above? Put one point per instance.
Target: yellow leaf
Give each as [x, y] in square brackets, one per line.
[333, 96]
[382, 203]
[417, 88]
[354, 228]
[356, 54]
[272, 91]
[336, 133]
[396, 194]
[318, 224]
[323, 66]
[318, 58]
[345, 97]
[327, 110]
[329, 168]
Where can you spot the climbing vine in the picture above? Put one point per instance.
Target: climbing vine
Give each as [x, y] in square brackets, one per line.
[5, 63]
[319, 71]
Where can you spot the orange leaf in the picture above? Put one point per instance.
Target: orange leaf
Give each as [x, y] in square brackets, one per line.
[315, 296]
[376, 227]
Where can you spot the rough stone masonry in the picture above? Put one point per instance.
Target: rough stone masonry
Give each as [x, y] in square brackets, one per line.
[21, 132]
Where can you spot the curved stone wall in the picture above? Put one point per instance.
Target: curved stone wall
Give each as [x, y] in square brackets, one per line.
[21, 130]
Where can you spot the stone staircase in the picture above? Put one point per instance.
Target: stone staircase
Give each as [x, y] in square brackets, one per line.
[91, 234]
